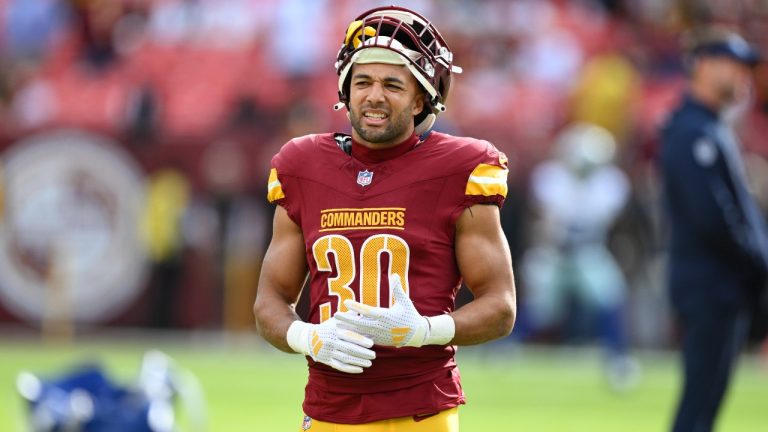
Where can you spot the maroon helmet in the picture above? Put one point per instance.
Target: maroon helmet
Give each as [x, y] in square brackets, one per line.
[397, 35]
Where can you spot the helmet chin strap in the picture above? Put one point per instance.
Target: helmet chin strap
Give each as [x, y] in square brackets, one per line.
[339, 105]
[420, 129]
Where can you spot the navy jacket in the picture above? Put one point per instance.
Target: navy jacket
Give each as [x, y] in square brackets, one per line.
[714, 252]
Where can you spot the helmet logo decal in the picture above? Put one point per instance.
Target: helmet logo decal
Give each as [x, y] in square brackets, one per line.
[355, 33]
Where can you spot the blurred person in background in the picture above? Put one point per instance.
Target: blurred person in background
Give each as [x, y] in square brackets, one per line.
[718, 251]
[241, 222]
[387, 222]
[168, 195]
[607, 88]
[579, 194]
[28, 27]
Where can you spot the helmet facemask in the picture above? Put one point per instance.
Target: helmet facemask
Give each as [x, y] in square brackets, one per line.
[397, 35]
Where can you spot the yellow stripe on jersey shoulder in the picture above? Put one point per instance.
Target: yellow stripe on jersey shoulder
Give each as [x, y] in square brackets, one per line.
[487, 180]
[274, 188]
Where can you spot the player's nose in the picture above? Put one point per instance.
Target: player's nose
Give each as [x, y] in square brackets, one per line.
[375, 93]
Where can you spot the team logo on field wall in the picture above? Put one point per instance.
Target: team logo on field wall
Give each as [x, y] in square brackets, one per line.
[70, 226]
[364, 178]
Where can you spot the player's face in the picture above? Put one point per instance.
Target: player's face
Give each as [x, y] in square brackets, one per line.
[383, 100]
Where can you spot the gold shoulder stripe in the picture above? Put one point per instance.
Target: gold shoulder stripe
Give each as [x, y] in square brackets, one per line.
[274, 188]
[490, 171]
[487, 180]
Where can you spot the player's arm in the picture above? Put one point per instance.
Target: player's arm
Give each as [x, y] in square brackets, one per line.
[283, 274]
[485, 264]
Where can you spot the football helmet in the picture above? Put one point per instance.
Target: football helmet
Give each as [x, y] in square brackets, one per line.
[584, 146]
[397, 35]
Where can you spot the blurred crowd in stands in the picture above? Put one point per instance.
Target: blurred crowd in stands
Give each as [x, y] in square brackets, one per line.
[203, 92]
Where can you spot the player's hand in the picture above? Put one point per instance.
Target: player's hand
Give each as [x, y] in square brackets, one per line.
[399, 325]
[327, 343]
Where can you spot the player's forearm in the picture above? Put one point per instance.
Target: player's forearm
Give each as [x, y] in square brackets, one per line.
[273, 317]
[484, 319]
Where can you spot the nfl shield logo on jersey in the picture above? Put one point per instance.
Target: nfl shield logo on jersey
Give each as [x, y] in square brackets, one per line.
[364, 178]
[307, 423]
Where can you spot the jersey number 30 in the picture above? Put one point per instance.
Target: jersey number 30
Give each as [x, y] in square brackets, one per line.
[369, 267]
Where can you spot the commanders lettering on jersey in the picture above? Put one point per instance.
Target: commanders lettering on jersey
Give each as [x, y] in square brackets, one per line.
[362, 219]
[274, 188]
[489, 180]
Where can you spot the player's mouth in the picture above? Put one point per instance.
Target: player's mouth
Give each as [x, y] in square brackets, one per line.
[375, 117]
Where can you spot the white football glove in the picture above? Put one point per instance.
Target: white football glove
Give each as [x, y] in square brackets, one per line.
[399, 325]
[327, 343]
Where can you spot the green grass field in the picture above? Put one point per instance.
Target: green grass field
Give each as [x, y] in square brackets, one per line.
[252, 387]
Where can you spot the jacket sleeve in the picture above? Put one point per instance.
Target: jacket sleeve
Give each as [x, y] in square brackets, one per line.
[282, 187]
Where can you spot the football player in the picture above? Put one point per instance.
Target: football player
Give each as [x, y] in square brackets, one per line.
[387, 222]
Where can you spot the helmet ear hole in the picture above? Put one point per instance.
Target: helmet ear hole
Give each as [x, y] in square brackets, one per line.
[344, 91]
[442, 90]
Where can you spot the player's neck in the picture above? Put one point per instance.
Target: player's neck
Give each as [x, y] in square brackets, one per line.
[373, 155]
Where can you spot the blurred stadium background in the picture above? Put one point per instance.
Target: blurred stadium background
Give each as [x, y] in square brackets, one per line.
[136, 137]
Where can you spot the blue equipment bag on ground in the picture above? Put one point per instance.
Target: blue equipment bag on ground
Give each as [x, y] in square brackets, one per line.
[87, 400]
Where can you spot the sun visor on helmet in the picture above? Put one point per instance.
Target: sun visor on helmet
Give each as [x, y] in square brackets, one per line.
[378, 55]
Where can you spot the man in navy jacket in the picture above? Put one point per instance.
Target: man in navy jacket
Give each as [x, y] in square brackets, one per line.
[718, 256]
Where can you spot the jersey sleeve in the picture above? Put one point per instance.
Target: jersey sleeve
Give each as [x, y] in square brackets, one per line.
[283, 186]
[487, 182]
[274, 187]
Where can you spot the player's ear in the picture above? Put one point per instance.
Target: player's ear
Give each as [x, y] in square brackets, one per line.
[419, 102]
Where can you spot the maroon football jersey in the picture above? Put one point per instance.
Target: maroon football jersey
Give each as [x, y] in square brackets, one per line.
[361, 223]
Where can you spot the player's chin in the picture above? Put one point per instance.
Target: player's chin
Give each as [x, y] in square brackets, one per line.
[382, 137]
[373, 134]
